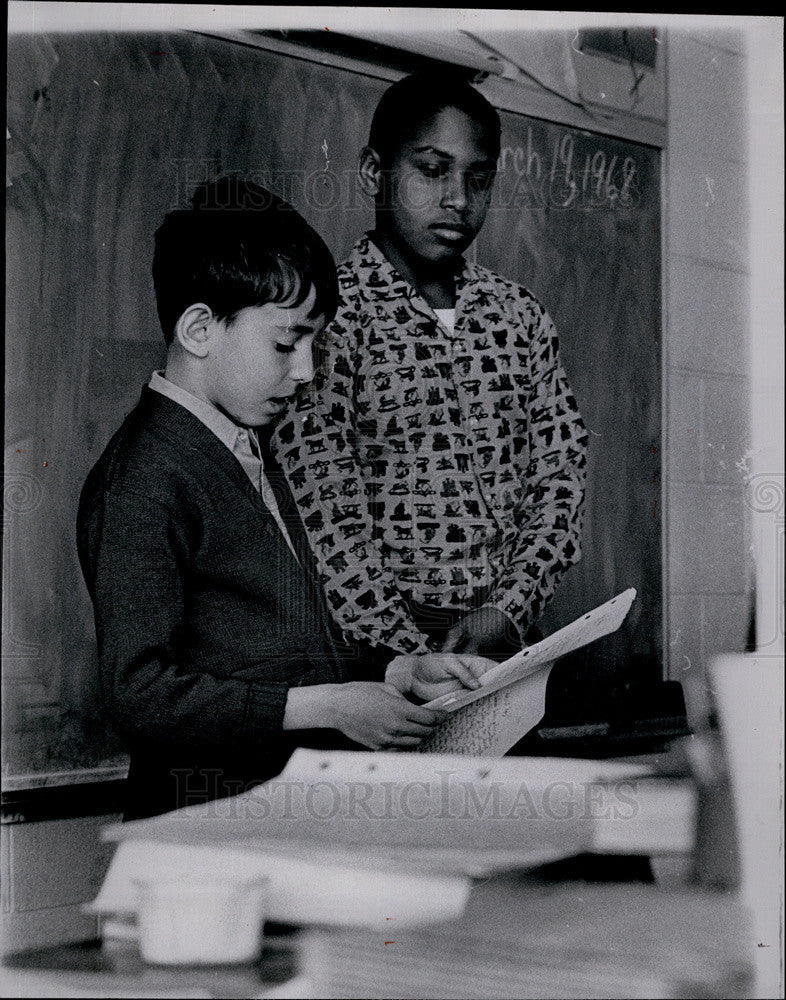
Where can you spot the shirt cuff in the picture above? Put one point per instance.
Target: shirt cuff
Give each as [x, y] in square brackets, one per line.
[516, 631]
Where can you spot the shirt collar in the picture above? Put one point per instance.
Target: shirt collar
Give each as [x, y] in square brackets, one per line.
[383, 283]
[224, 429]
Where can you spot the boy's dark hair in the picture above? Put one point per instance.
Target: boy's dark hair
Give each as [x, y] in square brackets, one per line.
[239, 245]
[409, 104]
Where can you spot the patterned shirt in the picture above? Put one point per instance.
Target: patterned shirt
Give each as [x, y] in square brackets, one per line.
[440, 467]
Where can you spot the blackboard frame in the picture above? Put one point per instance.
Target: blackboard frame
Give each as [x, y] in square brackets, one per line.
[626, 124]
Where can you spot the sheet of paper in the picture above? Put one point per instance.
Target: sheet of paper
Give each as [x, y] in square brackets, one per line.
[600, 621]
[307, 884]
[313, 767]
[490, 727]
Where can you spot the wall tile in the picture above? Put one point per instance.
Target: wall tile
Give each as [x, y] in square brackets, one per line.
[708, 317]
[707, 531]
[725, 620]
[707, 95]
[46, 928]
[57, 863]
[683, 653]
[683, 416]
[725, 39]
[707, 210]
[725, 434]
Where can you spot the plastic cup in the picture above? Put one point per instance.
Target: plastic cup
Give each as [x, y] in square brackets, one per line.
[190, 922]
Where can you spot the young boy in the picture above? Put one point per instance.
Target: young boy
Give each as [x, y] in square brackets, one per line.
[215, 652]
[439, 462]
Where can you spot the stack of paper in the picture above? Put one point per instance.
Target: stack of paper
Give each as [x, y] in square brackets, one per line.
[357, 838]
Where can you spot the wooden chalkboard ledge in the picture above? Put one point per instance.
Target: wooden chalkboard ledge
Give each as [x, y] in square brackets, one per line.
[63, 795]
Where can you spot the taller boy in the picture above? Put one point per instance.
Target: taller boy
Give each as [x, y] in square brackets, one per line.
[439, 458]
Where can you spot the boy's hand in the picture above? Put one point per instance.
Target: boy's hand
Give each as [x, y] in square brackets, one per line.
[378, 716]
[485, 629]
[432, 674]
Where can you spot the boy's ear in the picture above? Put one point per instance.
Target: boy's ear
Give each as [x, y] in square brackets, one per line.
[192, 330]
[370, 172]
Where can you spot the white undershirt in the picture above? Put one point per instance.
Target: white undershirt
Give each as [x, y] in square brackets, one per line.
[447, 318]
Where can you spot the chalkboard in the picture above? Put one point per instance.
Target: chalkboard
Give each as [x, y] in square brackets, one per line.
[576, 219]
[109, 132]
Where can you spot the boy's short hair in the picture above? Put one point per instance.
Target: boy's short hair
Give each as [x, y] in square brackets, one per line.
[410, 103]
[239, 245]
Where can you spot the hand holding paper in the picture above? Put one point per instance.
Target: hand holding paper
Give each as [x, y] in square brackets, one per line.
[371, 714]
[431, 675]
[482, 629]
[596, 623]
[511, 697]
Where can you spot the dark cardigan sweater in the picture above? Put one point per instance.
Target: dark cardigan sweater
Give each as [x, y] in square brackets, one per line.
[204, 618]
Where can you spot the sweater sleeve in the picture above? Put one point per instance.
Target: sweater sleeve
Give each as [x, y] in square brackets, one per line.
[136, 555]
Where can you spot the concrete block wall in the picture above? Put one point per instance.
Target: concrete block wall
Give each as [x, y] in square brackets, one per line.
[49, 870]
[706, 350]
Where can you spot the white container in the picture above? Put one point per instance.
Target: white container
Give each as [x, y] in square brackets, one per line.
[749, 693]
[200, 922]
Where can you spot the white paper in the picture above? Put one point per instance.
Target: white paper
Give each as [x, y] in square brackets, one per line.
[314, 767]
[492, 726]
[600, 621]
[325, 890]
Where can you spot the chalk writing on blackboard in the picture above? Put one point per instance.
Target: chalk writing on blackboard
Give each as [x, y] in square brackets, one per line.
[576, 173]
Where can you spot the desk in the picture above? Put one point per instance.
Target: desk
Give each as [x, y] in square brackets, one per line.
[116, 969]
[521, 936]
[528, 939]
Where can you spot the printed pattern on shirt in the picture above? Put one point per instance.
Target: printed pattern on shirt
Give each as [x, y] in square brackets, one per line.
[442, 468]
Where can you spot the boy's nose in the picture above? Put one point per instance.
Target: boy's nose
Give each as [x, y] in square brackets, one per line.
[455, 195]
[302, 369]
